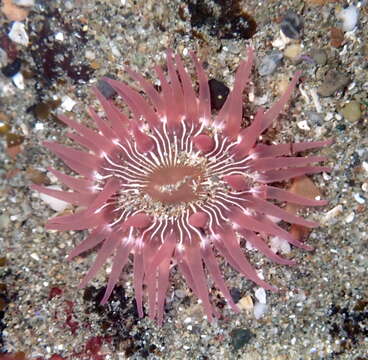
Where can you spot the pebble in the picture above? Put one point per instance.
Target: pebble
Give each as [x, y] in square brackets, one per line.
[11, 69]
[235, 294]
[315, 118]
[279, 245]
[291, 25]
[18, 81]
[319, 56]
[59, 36]
[260, 295]
[359, 199]
[18, 34]
[332, 214]
[333, 81]
[351, 111]
[246, 303]
[293, 52]
[365, 166]
[350, 217]
[55, 204]
[269, 63]
[24, 3]
[67, 103]
[349, 17]
[281, 41]
[240, 337]
[3, 57]
[4, 221]
[219, 92]
[259, 310]
[106, 89]
[336, 37]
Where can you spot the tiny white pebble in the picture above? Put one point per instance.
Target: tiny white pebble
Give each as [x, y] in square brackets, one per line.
[24, 3]
[350, 217]
[332, 214]
[67, 103]
[18, 34]
[303, 125]
[338, 117]
[329, 116]
[326, 176]
[365, 166]
[18, 80]
[35, 256]
[39, 126]
[260, 295]
[359, 199]
[259, 310]
[279, 245]
[55, 204]
[59, 36]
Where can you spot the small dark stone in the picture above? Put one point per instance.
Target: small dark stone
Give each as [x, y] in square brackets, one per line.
[235, 294]
[219, 92]
[240, 337]
[11, 69]
[107, 90]
[292, 25]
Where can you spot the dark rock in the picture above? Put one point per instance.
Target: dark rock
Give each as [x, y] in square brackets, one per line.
[11, 69]
[240, 337]
[235, 294]
[219, 92]
[106, 89]
[292, 25]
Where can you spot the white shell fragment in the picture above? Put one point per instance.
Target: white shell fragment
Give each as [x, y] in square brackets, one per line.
[18, 80]
[59, 36]
[67, 103]
[18, 34]
[260, 295]
[349, 17]
[55, 204]
[279, 245]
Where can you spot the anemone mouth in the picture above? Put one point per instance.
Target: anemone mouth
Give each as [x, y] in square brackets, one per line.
[172, 183]
[175, 184]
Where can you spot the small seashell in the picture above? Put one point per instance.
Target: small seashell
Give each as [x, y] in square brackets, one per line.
[18, 34]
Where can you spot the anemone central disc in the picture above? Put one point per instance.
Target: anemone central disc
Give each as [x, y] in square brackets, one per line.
[175, 184]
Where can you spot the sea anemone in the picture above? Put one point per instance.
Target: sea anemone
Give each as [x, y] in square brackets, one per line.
[171, 184]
